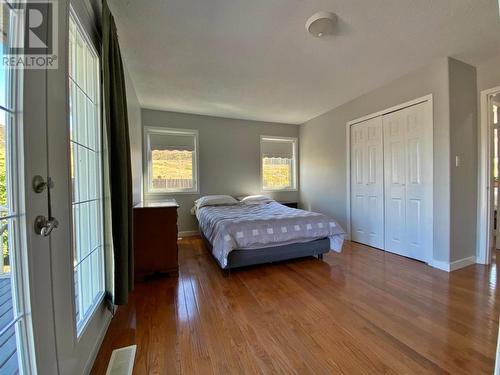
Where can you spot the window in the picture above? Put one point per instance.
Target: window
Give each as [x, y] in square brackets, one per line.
[86, 173]
[172, 161]
[279, 163]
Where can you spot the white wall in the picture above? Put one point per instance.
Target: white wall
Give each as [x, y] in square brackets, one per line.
[229, 156]
[135, 133]
[323, 148]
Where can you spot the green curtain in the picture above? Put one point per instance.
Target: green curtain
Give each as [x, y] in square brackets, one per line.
[118, 176]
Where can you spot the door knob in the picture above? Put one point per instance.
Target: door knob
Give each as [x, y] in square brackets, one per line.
[39, 184]
[44, 226]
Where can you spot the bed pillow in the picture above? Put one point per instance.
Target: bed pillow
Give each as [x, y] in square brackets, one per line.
[256, 199]
[215, 200]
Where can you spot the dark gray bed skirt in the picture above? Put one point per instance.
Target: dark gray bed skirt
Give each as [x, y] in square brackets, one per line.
[242, 258]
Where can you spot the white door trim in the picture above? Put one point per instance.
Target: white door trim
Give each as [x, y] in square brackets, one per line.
[484, 212]
[410, 103]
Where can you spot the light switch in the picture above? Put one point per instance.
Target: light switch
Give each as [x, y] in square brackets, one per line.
[457, 161]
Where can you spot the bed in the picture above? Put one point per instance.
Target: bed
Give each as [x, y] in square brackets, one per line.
[245, 234]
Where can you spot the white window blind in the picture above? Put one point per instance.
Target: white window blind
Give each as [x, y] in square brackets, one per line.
[172, 160]
[277, 148]
[173, 142]
[278, 163]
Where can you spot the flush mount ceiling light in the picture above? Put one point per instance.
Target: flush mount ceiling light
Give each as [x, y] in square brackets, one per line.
[321, 23]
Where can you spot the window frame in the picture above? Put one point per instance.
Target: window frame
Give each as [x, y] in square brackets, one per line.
[294, 141]
[148, 130]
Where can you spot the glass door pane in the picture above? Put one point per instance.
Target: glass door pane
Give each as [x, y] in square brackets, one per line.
[13, 295]
[86, 173]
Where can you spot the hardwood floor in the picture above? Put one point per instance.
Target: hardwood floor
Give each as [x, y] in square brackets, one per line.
[363, 311]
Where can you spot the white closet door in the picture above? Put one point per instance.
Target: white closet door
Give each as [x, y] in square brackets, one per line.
[358, 227]
[367, 189]
[395, 182]
[408, 181]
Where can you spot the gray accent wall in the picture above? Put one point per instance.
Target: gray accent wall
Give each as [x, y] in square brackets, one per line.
[323, 150]
[229, 156]
[464, 145]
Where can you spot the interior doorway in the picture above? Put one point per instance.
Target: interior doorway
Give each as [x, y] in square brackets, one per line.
[493, 123]
[489, 177]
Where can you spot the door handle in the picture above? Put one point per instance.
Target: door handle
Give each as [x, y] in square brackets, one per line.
[44, 226]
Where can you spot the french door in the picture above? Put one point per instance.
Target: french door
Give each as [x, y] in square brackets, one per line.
[52, 313]
[27, 334]
[74, 159]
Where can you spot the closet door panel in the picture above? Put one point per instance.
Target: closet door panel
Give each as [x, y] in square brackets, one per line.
[375, 183]
[408, 181]
[358, 183]
[358, 226]
[367, 183]
[414, 222]
[418, 127]
[395, 182]
[395, 215]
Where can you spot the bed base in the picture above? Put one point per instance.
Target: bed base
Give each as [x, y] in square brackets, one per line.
[242, 258]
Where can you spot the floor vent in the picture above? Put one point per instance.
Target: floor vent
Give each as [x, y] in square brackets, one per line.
[122, 361]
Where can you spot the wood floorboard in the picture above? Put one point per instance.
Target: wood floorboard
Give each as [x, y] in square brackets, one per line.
[363, 311]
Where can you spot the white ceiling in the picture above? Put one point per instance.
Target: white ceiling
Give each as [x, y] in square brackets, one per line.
[253, 59]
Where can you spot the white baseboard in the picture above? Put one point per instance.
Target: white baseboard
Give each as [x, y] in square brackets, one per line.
[444, 266]
[452, 266]
[95, 350]
[482, 260]
[457, 264]
[188, 233]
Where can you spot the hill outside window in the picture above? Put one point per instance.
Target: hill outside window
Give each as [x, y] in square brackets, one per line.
[172, 160]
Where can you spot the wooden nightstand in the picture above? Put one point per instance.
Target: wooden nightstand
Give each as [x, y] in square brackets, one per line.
[289, 204]
[155, 239]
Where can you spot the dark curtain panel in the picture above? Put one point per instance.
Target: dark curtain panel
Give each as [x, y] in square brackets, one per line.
[120, 257]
